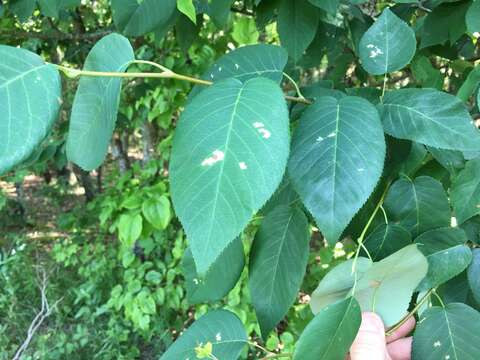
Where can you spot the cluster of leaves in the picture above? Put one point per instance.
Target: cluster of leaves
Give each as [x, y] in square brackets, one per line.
[382, 152]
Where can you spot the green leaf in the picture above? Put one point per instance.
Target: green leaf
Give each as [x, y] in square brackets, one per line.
[278, 261]
[387, 287]
[429, 117]
[447, 333]
[330, 6]
[472, 17]
[465, 192]
[22, 8]
[385, 240]
[219, 10]
[130, 228]
[246, 63]
[237, 161]
[388, 45]
[418, 205]
[52, 8]
[219, 280]
[331, 333]
[337, 157]
[447, 255]
[425, 74]
[284, 195]
[473, 274]
[338, 283]
[452, 160]
[30, 98]
[96, 102]
[221, 328]
[135, 18]
[186, 7]
[245, 31]
[297, 24]
[157, 212]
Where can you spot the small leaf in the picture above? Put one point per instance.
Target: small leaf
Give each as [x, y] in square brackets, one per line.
[330, 6]
[418, 205]
[465, 192]
[219, 10]
[135, 18]
[221, 328]
[96, 102]
[472, 17]
[22, 8]
[30, 99]
[386, 239]
[447, 333]
[237, 162]
[297, 24]
[245, 31]
[278, 261]
[188, 8]
[331, 333]
[337, 157]
[447, 255]
[157, 212]
[219, 280]
[473, 274]
[52, 8]
[388, 45]
[246, 63]
[429, 117]
[129, 228]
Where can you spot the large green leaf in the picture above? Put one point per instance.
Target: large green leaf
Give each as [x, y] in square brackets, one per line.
[53, 7]
[331, 333]
[246, 63]
[219, 10]
[429, 117]
[337, 158]
[135, 18]
[447, 255]
[229, 155]
[330, 6]
[465, 192]
[221, 328]
[338, 283]
[30, 98]
[219, 280]
[384, 287]
[418, 205]
[387, 287]
[277, 264]
[297, 24]
[22, 8]
[473, 274]
[450, 333]
[386, 239]
[472, 17]
[96, 102]
[388, 45]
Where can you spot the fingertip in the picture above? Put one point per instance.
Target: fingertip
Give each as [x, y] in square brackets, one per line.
[400, 349]
[403, 330]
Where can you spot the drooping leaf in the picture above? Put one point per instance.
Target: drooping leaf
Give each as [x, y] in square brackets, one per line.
[452, 160]
[331, 333]
[418, 205]
[157, 212]
[425, 74]
[337, 283]
[465, 192]
[337, 157]
[30, 98]
[447, 255]
[245, 31]
[473, 274]
[135, 18]
[447, 333]
[219, 280]
[330, 6]
[429, 117]
[95, 106]
[277, 264]
[246, 63]
[284, 195]
[22, 8]
[386, 239]
[221, 328]
[297, 24]
[389, 45]
[472, 17]
[188, 8]
[240, 133]
[130, 228]
[219, 10]
[387, 287]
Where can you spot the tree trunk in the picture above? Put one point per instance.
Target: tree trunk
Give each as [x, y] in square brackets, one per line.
[85, 181]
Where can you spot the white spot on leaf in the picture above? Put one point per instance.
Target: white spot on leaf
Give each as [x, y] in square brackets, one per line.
[331, 135]
[237, 66]
[261, 129]
[217, 156]
[242, 165]
[360, 169]
[319, 139]
[437, 344]
[257, 125]
[218, 337]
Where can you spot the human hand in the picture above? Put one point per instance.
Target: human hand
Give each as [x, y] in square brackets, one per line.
[371, 343]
